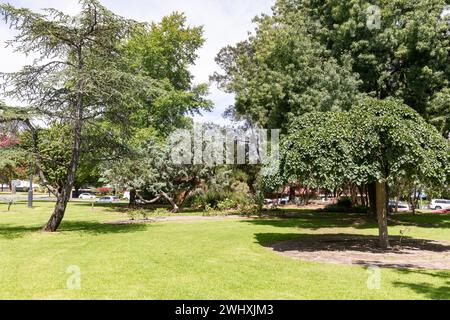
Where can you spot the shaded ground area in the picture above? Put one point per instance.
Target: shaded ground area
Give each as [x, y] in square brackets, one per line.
[364, 250]
[175, 218]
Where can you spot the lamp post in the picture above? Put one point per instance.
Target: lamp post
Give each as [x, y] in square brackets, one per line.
[30, 190]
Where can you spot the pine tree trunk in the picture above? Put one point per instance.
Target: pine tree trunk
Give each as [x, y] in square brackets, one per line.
[65, 194]
[58, 213]
[66, 191]
[381, 204]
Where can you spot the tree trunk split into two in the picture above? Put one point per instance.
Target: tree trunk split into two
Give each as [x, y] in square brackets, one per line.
[162, 194]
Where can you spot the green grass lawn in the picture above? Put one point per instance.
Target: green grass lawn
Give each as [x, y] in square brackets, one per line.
[195, 259]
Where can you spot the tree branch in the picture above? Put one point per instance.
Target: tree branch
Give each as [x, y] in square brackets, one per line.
[41, 174]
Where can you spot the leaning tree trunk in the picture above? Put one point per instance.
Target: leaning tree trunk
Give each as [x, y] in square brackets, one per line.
[64, 195]
[382, 209]
[175, 207]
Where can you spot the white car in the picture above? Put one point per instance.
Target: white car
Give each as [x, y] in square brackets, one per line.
[439, 204]
[283, 201]
[87, 196]
[399, 206]
[108, 199]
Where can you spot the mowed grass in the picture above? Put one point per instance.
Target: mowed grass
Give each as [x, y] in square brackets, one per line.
[196, 259]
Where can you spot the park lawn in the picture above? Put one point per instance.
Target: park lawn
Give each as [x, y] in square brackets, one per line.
[196, 259]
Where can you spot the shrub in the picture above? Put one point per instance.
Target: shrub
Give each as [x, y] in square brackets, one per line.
[160, 212]
[201, 199]
[104, 191]
[209, 211]
[345, 209]
[248, 206]
[345, 202]
[133, 214]
[138, 214]
[227, 204]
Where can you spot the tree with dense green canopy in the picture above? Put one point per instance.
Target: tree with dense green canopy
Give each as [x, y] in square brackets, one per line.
[406, 57]
[283, 71]
[380, 141]
[78, 77]
[327, 55]
[150, 168]
[163, 51]
[313, 55]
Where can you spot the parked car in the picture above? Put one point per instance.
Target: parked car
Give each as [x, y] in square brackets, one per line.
[440, 204]
[283, 201]
[108, 199]
[87, 196]
[401, 206]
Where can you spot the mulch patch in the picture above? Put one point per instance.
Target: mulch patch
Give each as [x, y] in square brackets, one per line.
[364, 250]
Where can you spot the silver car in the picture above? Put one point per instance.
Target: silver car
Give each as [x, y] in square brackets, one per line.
[108, 199]
[89, 196]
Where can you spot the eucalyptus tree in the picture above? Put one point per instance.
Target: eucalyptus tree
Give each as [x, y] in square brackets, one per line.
[77, 77]
[150, 168]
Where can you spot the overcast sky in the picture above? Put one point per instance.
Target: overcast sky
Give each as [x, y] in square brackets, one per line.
[225, 22]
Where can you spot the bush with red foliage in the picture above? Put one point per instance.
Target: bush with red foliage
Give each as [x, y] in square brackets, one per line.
[6, 141]
[104, 190]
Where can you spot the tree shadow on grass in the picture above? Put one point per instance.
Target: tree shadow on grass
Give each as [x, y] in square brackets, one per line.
[315, 221]
[318, 220]
[362, 250]
[422, 220]
[96, 228]
[348, 242]
[428, 290]
[11, 232]
[84, 227]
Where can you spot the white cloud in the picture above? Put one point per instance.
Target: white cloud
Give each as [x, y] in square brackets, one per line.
[225, 22]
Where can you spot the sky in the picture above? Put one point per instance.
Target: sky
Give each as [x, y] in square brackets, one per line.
[225, 22]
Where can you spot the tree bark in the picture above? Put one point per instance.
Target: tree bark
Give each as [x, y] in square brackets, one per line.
[66, 191]
[175, 209]
[382, 209]
[413, 201]
[292, 194]
[63, 197]
[371, 191]
[132, 198]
